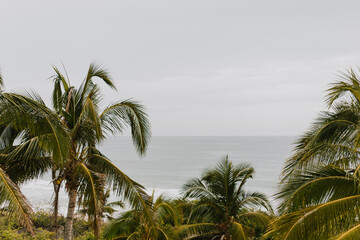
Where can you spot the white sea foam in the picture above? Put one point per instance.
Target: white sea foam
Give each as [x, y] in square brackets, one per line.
[40, 194]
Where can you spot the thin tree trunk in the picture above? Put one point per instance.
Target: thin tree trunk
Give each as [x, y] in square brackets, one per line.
[97, 225]
[70, 214]
[56, 208]
[56, 202]
[97, 229]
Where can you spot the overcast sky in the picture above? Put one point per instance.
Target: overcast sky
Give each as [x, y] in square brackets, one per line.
[201, 67]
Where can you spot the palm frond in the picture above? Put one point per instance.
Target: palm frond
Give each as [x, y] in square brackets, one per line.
[259, 219]
[27, 114]
[95, 70]
[57, 96]
[237, 231]
[7, 136]
[121, 227]
[162, 235]
[333, 139]
[165, 210]
[122, 185]
[195, 188]
[351, 234]
[1, 81]
[324, 220]
[124, 225]
[194, 230]
[206, 212]
[16, 204]
[89, 117]
[90, 189]
[316, 186]
[59, 77]
[220, 198]
[349, 88]
[250, 200]
[128, 113]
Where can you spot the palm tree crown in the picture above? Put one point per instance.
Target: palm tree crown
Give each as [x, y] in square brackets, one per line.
[64, 140]
[224, 209]
[134, 224]
[320, 185]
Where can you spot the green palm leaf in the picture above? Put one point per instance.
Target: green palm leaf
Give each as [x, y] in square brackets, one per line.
[128, 113]
[1, 81]
[326, 219]
[95, 70]
[122, 185]
[27, 114]
[316, 186]
[221, 199]
[348, 88]
[196, 229]
[16, 204]
[351, 234]
[259, 219]
[237, 231]
[121, 227]
[91, 188]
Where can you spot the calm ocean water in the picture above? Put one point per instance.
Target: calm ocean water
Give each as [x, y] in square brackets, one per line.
[171, 161]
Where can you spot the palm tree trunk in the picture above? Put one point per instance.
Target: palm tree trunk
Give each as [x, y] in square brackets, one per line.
[56, 208]
[56, 202]
[97, 229]
[70, 214]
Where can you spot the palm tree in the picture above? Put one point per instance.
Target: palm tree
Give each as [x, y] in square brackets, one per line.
[134, 224]
[322, 202]
[87, 169]
[224, 210]
[334, 137]
[11, 198]
[321, 179]
[106, 209]
[14, 202]
[68, 136]
[26, 160]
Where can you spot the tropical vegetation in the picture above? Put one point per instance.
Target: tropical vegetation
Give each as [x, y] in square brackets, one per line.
[223, 209]
[133, 224]
[318, 197]
[320, 185]
[64, 141]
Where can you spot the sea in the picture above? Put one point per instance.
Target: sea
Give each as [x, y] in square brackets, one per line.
[171, 161]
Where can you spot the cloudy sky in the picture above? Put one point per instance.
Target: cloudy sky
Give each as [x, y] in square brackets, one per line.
[201, 67]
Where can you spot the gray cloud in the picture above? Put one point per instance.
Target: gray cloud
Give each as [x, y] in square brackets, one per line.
[201, 67]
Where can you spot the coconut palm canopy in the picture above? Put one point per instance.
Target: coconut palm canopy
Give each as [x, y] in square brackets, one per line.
[134, 224]
[320, 186]
[65, 139]
[224, 210]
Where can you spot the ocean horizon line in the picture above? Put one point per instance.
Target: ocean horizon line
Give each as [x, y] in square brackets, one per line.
[213, 136]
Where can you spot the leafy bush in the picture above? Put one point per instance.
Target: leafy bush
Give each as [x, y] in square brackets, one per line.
[42, 219]
[43, 223]
[86, 236]
[80, 226]
[9, 234]
[43, 235]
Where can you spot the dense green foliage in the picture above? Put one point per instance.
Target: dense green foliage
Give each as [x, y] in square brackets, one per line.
[43, 229]
[223, 209]
[320, 189]
[133, 224]
[63, 141]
